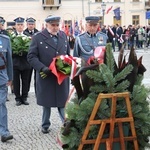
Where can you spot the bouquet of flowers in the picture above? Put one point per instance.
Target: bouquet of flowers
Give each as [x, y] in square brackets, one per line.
[20, 44]
[63, 66]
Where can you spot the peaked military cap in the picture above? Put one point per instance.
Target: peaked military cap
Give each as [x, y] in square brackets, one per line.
[30, 20]
[52, 19]
[19, 20]
[92, 19]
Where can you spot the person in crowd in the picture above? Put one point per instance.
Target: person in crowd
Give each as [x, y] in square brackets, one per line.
[141, 34]
[148, 36]
[119, 32]
[132, 36]
[6, 77]
[136, 35]
[111, 33]
[5, 32]
[21, 69]
[2, 30]
[86, 42]
[45, 45]
[103, 29]
[10, 29]
[30, 31]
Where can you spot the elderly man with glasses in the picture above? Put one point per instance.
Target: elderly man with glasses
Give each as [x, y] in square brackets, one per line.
[45, 45]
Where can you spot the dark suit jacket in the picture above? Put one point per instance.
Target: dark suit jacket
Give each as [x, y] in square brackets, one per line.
[29, 33]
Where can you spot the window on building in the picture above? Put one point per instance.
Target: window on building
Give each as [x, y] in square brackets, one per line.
[136, 0]
[117, 0]
[98, 0]
[135, 19]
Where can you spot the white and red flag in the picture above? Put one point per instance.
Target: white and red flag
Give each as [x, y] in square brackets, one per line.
[109, 9]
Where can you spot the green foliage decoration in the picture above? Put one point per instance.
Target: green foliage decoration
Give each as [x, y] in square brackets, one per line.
[108, 79]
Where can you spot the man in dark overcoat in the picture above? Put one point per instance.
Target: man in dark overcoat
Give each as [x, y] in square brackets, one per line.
[21, 69]
[30, 31]
[46, 45]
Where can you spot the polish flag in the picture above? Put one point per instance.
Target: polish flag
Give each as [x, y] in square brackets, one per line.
[109, 9]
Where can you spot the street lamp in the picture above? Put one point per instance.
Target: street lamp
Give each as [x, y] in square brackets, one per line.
[103, 6]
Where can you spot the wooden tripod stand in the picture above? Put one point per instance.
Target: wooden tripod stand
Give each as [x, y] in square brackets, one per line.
[112, 120]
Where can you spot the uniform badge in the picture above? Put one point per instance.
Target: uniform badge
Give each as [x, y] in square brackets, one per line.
[101, 40]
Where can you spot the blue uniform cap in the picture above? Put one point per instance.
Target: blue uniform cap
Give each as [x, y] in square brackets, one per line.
[92, 19]
[19, 20]
[30, 20]
[52, 19]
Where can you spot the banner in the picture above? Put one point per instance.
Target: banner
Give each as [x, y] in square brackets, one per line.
[117, 13]
[148, 15]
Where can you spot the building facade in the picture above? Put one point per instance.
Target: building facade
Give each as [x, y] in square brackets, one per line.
[131, 11]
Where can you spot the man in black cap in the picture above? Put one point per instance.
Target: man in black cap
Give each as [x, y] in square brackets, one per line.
[30, 31]
[21, 69]
[2, 30]
[86, 43]
[45, 45]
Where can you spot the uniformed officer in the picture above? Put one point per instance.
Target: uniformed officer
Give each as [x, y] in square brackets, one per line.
[86, 43]
[46, 45]
[2, 30]
[30, 31]
[21, 69]
[6, 76]
[5, 32]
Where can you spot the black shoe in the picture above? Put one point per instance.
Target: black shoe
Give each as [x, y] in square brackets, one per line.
[45, 131]
[18, 103]
[25, 103]
[6, 138]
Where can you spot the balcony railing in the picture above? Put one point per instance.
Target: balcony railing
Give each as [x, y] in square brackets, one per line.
[51, 3]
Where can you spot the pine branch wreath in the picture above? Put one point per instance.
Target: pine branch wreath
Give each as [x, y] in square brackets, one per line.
[109, 78]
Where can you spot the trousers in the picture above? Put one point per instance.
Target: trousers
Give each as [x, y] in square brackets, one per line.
[3, 111]
[20, 80]
[46, 116]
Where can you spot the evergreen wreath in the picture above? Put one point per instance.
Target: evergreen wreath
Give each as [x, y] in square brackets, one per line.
[110, 78]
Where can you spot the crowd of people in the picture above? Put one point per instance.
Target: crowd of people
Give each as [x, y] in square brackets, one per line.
[46, 45]
[131, 35]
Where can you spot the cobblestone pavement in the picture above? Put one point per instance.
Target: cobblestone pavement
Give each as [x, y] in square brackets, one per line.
[25, 125]
[25, 121]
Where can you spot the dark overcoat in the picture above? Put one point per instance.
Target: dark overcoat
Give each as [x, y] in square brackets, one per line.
[41, 53]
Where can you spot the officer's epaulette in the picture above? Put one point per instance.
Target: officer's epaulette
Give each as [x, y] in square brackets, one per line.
[4, 36]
